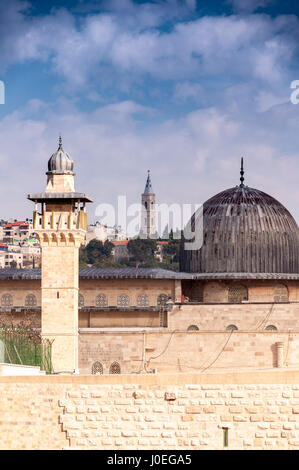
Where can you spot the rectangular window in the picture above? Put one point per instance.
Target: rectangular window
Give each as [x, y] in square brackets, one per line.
[225, 437]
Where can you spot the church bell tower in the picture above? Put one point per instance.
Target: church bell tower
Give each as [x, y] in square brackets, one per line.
[148, 214]
[60, 224]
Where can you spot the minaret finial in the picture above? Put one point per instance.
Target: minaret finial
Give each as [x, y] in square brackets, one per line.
[242, 173]
[60, 142]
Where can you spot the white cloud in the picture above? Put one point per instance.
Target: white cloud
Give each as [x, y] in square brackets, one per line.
[117, 47]
[191, 158]
[187, 90]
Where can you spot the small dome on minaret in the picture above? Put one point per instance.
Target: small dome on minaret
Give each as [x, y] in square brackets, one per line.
[60, 162]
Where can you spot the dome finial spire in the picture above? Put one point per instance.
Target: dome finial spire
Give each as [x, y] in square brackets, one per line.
[242, 173]
[60, 143]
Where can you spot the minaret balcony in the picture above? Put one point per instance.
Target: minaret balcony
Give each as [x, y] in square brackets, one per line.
[60, 221]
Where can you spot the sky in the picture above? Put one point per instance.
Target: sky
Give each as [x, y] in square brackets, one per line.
[183, 88]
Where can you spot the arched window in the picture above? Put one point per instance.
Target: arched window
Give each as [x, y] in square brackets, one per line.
[97, 368]
[193, 328]
[123, 300]
[30, 300]
[231, 328]
[142, 300]
[281, 293]
[237, 293]
[6, 300]
[101, 300]
[114, 368]
[271, 328]
[81, 300]
[162, 299]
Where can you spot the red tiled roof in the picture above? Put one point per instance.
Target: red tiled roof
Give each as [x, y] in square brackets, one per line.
[120, 242]
[15, 224]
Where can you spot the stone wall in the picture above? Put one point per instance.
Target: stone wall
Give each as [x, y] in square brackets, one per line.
[258, 410]
[181, 351]
[246, 316]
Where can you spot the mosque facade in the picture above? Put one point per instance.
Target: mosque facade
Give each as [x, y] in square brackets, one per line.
[233, 305]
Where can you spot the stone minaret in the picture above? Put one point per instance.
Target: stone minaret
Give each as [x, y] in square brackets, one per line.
[148, 214]
[60, 225]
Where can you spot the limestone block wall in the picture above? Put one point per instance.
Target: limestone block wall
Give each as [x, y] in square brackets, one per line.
[258, 291]
[16, 316]
[182, 417]
[112, 288]
[19, 289]
[29, 414]
[245, 316]
[257, 410]
[182, 351]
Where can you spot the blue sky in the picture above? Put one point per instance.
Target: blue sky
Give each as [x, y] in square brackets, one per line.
[184, 88]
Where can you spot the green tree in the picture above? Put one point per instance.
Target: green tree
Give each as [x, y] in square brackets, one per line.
[142, 251]
[171, 251]
[96, 253]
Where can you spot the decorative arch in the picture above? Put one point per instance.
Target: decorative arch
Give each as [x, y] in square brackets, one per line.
[281, 293]
[142, 300]
[193, 328]
[30, 300]
[6, 300]
[231, 328]
[101, 300]
[271, 328]
[114, 368]
[97, 368]
[123, 300]
[237, 293]
[62, 238]
[81, 300]
[53, 238]
[71, 238]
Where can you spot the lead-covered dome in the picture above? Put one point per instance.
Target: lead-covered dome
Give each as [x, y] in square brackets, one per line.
[245, 231]
[60, 162]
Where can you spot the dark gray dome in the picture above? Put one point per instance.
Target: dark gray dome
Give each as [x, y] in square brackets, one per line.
[60, 162]
[245, 231]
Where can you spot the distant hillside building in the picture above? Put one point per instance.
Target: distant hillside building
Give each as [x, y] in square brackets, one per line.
[17, 232]
[120, 250]
[103, 232]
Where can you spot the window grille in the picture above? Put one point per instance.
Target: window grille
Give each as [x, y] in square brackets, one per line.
[101, 300]
[193, 328]
[123, 300]
[30, 300]
[142, 300]
[162, 299]
[281, 293]
[97, 368]
[6, 300]
[238, 293]
[271, 328]
[114, 368]
[231, 328]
